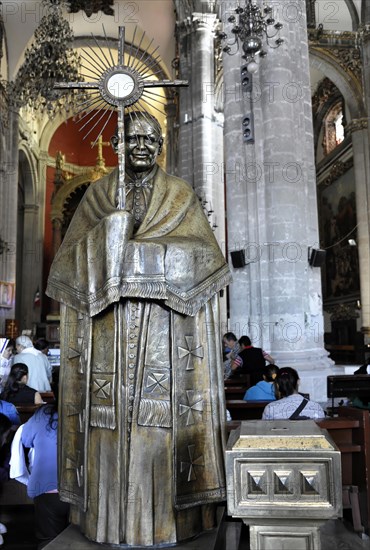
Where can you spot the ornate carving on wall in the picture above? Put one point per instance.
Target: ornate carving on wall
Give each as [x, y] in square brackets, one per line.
[330, 141]
[337, 170]
[357, 124]
[65, 187]
[325, 91]
[327, 106]
[341, 48]
[343, 312]
[91, 6]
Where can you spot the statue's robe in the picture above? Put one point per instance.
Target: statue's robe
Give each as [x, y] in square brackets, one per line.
[141, 387]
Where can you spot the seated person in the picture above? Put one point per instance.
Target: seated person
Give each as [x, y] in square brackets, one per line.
[16, 390]
[6, 360]
[289, 400]
[10, 411]
[253, 361]
[265, 389]
[231, 349]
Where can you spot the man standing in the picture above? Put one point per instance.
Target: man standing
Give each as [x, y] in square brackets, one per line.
[141, 371]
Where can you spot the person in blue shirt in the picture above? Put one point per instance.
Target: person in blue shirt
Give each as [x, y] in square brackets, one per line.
[265, 389]
[51, 514]
[10, 411]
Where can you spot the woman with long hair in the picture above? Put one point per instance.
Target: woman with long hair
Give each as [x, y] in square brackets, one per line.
[291, 405]
[16, 390]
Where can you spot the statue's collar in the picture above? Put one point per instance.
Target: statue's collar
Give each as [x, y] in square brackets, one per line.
[135, 180]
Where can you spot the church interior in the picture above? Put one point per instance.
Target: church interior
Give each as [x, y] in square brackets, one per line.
[272, 136]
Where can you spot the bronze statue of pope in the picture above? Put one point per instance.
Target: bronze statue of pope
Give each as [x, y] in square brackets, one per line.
[142, 409]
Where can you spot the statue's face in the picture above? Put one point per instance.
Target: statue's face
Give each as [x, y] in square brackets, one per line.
[142, 145]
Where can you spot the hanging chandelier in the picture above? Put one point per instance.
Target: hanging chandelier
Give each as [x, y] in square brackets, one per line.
[252, 28]
[50, 59]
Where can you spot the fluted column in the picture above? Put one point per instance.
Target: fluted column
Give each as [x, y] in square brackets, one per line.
[271, 206]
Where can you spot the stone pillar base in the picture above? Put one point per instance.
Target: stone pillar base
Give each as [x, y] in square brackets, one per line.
[280, 536]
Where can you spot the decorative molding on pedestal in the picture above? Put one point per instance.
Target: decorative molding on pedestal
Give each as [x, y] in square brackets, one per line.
[284, 481]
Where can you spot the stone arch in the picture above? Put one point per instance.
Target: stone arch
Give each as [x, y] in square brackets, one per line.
[346, 82]
[326, 96]
[60, 200]
[353, 13]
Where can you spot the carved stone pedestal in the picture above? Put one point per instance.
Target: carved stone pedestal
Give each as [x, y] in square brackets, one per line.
[284, 481]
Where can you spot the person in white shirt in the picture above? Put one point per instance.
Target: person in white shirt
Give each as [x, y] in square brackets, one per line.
[287, 382]
[39, 368]
[6, 362]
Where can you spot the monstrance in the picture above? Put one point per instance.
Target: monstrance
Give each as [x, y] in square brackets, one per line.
[120, 86]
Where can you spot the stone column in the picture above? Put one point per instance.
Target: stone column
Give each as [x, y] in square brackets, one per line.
[361, 161]
[57, 241]
[8, 204]
[30, 266]
[200, 159]
[271, 205]
[361, 140]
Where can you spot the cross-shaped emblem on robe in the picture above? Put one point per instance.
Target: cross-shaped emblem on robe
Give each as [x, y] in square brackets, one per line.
[193, 462]
[121, 86]
[189, 352]
[195, 403]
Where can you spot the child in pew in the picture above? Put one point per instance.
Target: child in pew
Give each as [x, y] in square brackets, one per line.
[265, 389]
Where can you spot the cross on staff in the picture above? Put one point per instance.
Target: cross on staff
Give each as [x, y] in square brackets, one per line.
[100, 162]
[121, 86]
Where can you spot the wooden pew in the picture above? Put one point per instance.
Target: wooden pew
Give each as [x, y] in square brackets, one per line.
[245, 410]
[236, 387]
[47, 397]
[361, 460]
[348, 385]
[234, 392]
